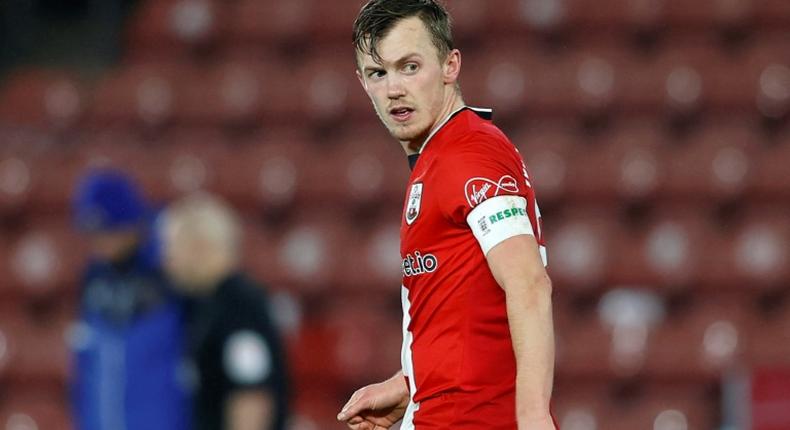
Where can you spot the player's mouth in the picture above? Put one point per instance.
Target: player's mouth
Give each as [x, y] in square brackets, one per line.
[401, 113]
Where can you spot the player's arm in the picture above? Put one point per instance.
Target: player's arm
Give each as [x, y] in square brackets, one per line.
[517, 266]
[249, 410]
[377, 406]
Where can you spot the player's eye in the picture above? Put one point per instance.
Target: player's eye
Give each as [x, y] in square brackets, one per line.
[411, 67]
[376, 74]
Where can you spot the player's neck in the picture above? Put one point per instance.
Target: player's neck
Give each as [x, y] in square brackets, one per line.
[453, 103]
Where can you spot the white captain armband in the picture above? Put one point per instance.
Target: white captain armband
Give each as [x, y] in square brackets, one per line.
[499, 218]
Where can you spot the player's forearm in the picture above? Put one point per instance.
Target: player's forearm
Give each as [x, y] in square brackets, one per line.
[532, 330]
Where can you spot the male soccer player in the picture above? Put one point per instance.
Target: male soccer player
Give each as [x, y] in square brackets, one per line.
[478, 347]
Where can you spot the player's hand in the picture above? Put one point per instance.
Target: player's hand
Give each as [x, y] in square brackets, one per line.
[377, 406]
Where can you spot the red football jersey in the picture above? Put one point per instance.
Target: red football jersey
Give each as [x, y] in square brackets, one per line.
[468, 191]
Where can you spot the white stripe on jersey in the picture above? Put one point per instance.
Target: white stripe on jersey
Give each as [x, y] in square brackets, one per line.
[406, 362]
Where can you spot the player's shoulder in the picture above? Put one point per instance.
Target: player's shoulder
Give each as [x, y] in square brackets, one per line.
[483, 140]
[477, 132]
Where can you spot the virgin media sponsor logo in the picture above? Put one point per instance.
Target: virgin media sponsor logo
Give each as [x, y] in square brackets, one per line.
[479, 189]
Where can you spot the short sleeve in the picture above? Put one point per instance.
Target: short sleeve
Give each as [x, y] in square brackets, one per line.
[480, 168]
[485, 186]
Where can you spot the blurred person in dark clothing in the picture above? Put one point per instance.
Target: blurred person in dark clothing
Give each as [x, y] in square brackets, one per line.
[128, 344]
[234, 344]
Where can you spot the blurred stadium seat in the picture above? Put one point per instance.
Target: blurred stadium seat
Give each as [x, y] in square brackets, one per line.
[33, 351]
[42, 98]
[254, 24]
[714, 335]
[549, 150]
[173, 29]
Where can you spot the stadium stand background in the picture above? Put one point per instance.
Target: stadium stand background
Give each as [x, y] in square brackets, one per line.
[656, 132]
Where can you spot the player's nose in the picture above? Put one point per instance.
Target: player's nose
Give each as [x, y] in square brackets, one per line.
[395, 88]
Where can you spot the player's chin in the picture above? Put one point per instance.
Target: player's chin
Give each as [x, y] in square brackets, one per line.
[404, 132]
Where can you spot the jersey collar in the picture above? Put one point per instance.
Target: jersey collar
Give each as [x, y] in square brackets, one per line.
[484, 113]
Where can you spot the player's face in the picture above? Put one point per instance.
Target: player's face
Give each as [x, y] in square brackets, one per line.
[410, 85]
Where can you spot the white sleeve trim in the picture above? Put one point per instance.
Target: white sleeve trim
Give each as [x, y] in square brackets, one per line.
[499, 218]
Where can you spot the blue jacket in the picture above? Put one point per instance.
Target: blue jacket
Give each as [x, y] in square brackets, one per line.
[128, 349]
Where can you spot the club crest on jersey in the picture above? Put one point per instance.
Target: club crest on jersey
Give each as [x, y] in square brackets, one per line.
[479, 189]
[414, 202]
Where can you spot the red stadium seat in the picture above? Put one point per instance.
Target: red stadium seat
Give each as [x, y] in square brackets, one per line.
[710, 14]
[172, 29]
[624, 165]
[350, 343]
[32, 351]
[35, 408]
[45, 260]
[7, 290]
[237, 93]
[581, 252]
[583, 347]
[328, 89]
[675, 249]
[550, 153]
[378, 269]
[583, 16]
[270, 171]
[143, 94]
[501, 76]
[580, 406]
[772, 178]
[701, 340]
[759, 250]
[188, 160]
[770, 339]
[534, 15]
[770, 71]
[678, 81]
[260, 254]
[332, 21]
[312, 251]
[369, 166]
[517, 78]
[316, 407]
[255, 24]
[469, 19]
[622, 15]
[773, 13]
[16, 178]
[41, 98]
[681, 406]
[716, 165]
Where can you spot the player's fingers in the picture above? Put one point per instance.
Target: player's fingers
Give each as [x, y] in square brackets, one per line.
[355, 420]
[364, 425]
[354, 398]
[355, 405]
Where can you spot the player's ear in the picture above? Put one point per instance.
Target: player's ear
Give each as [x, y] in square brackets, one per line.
[452, 67]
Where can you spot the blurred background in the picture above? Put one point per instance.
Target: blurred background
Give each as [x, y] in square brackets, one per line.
[656, 132]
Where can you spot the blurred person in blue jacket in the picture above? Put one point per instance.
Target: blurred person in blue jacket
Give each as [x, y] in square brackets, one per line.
[128, 344]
